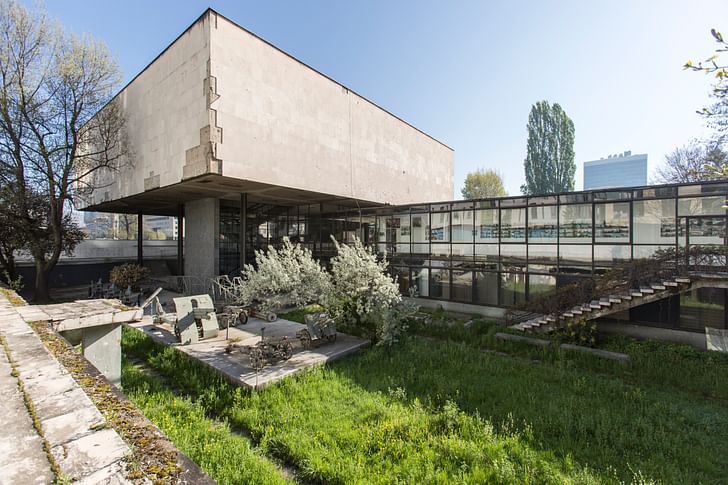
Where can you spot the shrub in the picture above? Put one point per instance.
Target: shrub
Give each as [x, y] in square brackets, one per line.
[16, 284]
[364, 297]
[579, 332]
[128, 274]
[287, 275]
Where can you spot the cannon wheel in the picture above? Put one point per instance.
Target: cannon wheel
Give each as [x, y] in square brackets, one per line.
[305, 338]
[287, 350]
[271, 317]
[256, 358]
[242, 317]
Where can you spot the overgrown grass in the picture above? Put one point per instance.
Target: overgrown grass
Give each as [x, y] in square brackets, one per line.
[422, 413]
[225, 456]
[656, 364]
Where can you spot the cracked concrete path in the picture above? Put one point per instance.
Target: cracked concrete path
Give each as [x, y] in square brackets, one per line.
[72, 426]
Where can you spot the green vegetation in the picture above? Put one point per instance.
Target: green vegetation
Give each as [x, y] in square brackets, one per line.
[439, 411]
[225, 456]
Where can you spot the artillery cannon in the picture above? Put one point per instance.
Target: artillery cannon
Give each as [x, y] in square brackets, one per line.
[265, 352]
[319, 327]
[196, 319]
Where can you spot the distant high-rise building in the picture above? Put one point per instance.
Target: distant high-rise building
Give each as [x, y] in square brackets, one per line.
[622, 170]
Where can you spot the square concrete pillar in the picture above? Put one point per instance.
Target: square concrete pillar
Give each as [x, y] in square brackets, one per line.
[201, 243]
[102, 347]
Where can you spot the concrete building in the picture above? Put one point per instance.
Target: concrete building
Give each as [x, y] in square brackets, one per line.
[622, 170]
[226, 128]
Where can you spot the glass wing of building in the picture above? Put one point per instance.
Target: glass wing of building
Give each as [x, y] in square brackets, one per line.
[506, 251]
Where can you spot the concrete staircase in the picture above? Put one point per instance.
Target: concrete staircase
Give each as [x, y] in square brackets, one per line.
[621, 301]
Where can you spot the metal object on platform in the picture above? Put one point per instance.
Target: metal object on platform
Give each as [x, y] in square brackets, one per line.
[267, 351]
[196, 319]
[319, 327]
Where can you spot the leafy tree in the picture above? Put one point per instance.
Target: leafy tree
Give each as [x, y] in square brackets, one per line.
[687, 163]
[483, 184]
[716, 114]
[549, 163]
[59, 128]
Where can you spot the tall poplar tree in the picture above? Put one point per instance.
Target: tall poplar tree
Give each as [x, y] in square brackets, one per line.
[549, 163]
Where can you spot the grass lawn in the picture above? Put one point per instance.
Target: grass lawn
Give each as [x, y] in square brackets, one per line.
[442, 411]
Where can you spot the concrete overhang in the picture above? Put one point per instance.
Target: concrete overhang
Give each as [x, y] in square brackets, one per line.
[164, 201]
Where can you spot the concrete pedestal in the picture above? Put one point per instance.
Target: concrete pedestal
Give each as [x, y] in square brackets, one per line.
[102, 347]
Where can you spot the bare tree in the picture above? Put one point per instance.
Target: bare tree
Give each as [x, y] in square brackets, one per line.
[687, 163]
[59, 127]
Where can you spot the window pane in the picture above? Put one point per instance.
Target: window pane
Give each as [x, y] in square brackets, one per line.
[703, 307]
[440, 283]
[486, 252]
[513, 224]
[486, 225]
[513, 289]
[462, 226]
[420, 228]
[462, 252]
[574, 256]
[575, 224]
[440, 250]
[542, 257]
[539, 285]
[403, 278]
[605, 256]
[462, 286]
[542, 223]
[420, 278]
[654, 221]
[440, 230]
[611, 222]
[486, 288]
[513, 253]
[706, 230]
[701, 206]
[642, 252]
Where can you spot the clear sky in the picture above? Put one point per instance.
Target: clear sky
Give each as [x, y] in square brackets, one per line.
[467, 72]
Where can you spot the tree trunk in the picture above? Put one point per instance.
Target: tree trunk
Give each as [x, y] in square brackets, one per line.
[42, 292]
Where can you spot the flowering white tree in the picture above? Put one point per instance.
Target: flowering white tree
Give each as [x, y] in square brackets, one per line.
[363, 295]
[287, 275]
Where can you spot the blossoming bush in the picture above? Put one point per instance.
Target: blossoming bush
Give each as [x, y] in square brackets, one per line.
[363, 297]
[289, 275]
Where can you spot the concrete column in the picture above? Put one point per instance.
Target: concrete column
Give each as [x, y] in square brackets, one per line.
[140, 238]
[102, 347]
[201, 244]
[243, 229]
[180, 239]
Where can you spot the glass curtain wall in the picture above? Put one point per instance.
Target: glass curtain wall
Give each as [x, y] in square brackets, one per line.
[503, 252]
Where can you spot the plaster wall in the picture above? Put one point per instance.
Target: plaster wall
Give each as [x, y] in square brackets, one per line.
[202, 218]
[285, 124]
[165, 109]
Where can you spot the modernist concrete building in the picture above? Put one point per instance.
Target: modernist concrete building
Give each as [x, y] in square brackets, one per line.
[230, 131]
[622, 170]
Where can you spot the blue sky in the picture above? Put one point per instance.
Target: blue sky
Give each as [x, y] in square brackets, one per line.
[467, 72]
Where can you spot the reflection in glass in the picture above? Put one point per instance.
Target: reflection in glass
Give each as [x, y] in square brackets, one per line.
[539, 285]
[440, 283]
[440, 226]
[703, 307]
[605, 256]
[513, 224]
[462, 286]
[486, 225]
[654, 221]
[462, 226]
[420, 278]
[513, 289]
[701, 206]
[486, 288]
[611, 222]
[575, 225]
[542, 223]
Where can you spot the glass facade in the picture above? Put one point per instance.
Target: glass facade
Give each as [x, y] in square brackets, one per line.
[502, 252]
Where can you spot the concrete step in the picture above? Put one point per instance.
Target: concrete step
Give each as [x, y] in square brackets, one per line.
[657, 287]
[672, 284]
[683, 280]
[636, 293]
[615, 299]
[649, 291]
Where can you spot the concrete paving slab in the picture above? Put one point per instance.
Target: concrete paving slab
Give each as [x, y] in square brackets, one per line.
[59, 404]
[22, 458]
[71, 426]
[86, 455]
[236, 366]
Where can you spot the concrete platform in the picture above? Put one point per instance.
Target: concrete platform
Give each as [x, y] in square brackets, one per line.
[236, 366]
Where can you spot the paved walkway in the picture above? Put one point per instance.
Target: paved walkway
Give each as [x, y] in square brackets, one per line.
[81, 445]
